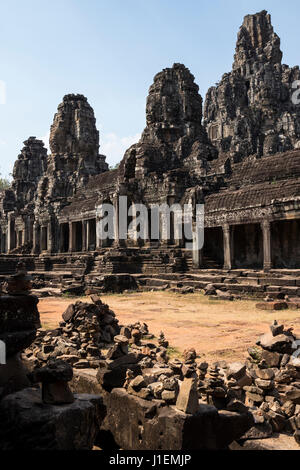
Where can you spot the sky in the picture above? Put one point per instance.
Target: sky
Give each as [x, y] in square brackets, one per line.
[110, 50]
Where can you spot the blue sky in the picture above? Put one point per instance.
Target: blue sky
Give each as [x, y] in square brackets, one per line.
[109, 50]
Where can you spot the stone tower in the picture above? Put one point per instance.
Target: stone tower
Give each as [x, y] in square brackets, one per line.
[174, 136]
[28, 170]
[251, 111]
[74, 145]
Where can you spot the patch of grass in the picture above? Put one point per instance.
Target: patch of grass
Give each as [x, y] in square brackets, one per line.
[48, 326]
[68, 295]
[174, 352]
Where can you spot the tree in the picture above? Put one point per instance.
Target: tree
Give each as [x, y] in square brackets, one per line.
[114, 167]
[4, 183]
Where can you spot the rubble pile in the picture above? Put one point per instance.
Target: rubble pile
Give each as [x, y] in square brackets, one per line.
[268, 385]
[86, 329]
[128, 357]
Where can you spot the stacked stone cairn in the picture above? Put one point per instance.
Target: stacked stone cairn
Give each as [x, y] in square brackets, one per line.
[86, 329]
[54, 379]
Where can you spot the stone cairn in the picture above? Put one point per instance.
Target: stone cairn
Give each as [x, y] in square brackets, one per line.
[54, 379]
[86, 329]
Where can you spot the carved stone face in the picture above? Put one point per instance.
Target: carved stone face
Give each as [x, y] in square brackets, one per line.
[174, 99]
[74, 128]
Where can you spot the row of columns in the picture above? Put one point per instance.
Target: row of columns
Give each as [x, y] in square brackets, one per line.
[85, 231]
[228, 247]
[16, 236]
[43, 240]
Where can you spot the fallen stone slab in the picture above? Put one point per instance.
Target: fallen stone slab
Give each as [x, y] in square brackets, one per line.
[279, 343]
[259, 431]
[137, 424]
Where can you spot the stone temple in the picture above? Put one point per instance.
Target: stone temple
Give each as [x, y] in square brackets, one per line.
[239, 155]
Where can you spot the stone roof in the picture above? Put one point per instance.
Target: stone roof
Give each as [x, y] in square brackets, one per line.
[260, 182]
[107, 178]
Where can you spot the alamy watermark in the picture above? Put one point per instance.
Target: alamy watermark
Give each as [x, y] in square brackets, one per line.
[296, 346]
[2, 353]
[157, 222]
[296, 93]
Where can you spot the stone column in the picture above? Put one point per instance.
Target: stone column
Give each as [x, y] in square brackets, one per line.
[84, 235]
[227, 239]
[88, 228]
[71, 237]
[266, 231]
[8, 238]
[51, 238]
[35, 239]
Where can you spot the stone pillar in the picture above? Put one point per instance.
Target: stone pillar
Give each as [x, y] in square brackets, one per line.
[35, 239]
[227, 239]
[8, 238]
[266, 231]
[71, 237]
[88, 234]
[84, 235]
[50, 238]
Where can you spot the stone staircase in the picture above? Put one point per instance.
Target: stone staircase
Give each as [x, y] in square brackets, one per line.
[247, 284]
[155, 269]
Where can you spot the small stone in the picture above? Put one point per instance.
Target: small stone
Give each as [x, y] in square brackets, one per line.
[237, 406]
[265, 374]
[264, 384]
[236, 370]
[276, 329]
[187, 400]
[289, 408]
[57, 393]
[83, 364]
[138, 383]
[169, 396]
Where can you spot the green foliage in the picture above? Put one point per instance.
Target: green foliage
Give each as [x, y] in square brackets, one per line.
[173, 352]
[4, 183]
[114, 167]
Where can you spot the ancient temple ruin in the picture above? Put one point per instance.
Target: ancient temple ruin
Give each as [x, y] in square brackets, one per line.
[240, 157]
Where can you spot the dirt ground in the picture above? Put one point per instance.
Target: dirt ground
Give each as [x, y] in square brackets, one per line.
[216, 329]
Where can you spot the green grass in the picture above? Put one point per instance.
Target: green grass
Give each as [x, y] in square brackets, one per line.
[173, 352]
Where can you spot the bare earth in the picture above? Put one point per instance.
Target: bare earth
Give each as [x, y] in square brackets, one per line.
[216, 329]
